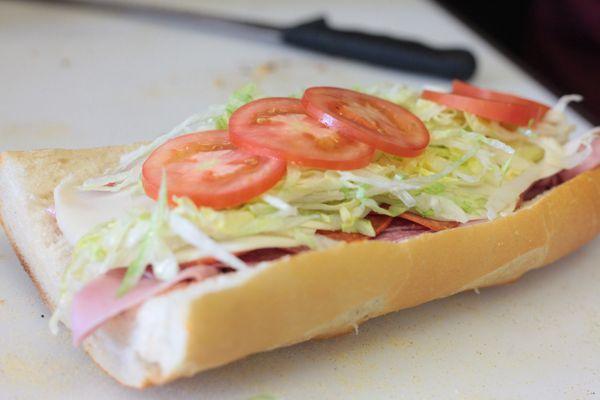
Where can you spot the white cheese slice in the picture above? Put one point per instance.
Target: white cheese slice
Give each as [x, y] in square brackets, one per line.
[78, 211]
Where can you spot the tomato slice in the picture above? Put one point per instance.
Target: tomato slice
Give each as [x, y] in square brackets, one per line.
[432, 224]
[280, 128]
[379, 222]
[379, 123]
[515, 114]
[465, 89]
[208, 169]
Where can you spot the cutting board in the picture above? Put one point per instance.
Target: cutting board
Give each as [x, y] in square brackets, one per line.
[72, 78]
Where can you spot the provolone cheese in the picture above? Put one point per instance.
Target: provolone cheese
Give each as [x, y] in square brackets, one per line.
[77, 211]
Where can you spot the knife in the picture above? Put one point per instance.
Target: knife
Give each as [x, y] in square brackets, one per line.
[316, 35]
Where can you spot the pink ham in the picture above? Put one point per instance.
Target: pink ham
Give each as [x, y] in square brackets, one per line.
[591, 162]
[97, 302]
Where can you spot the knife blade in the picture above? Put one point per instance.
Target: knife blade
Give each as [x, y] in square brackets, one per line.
[315, 35]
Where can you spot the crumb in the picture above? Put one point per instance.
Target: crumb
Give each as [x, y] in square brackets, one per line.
[265, 69]
[268, 67]
[65, 62]
[2, 302]
[476, 290]
[219, 83]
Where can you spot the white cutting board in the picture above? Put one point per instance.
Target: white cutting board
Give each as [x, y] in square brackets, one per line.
[72, 78]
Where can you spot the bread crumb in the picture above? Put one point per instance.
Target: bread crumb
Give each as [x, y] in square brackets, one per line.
[269, 68]
[265, 69]
[2, 302]
[219, 83]
[65, 62]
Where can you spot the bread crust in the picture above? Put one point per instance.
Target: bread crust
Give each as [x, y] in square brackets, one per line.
[301, 295]
[18, 252]
[320, 294]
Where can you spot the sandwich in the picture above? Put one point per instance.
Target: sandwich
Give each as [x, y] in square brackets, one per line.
[269, 221]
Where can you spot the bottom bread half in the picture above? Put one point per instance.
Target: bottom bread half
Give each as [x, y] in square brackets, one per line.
[319, 294]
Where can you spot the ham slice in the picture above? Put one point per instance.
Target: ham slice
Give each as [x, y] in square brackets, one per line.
[591, 162]
[249, 257]
[97, 302]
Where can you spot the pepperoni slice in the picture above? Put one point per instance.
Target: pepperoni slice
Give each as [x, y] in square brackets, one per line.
[379, 222]
[432, 224]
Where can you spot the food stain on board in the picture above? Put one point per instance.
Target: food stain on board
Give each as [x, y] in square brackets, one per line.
[15, 367]
[65, 63]
[29, 367]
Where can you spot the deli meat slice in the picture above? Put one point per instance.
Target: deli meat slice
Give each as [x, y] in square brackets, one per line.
[540, 187]
[378, 221]
[97, 302]
[392, 229]
[432, 224]
[543, 185]
[401, 229]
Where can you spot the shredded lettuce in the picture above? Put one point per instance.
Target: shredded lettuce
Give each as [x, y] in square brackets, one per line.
[152, 250]
[472, 169]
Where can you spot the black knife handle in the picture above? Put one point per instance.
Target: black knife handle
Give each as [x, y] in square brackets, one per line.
[382, 50]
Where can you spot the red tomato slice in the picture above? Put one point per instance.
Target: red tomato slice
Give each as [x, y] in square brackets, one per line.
[464, 89]
[515, 114]
[432, 224]
[279, 127]
[208, 169]
[368, 119]
[379, 222]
